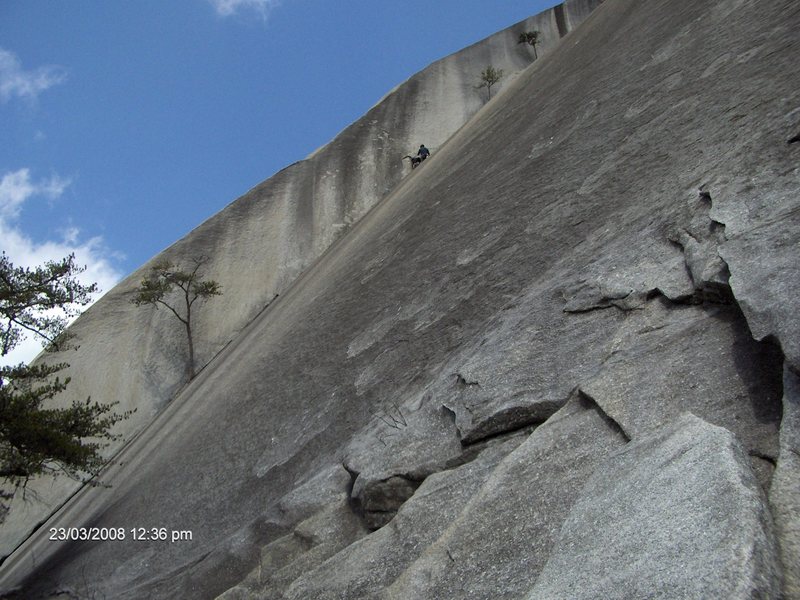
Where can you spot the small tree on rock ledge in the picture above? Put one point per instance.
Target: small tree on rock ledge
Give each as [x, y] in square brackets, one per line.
[531, 38]
[177, 290]
[489, 77]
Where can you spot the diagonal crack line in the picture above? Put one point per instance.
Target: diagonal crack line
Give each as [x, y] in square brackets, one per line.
[610, 421]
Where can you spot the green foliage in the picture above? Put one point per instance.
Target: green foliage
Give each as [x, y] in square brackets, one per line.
[39, 301]
[35, 439]
[531, 38]
[177, 290]
[489, 77]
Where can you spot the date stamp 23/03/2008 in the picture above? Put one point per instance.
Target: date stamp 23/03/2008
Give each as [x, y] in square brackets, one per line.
[113, 534]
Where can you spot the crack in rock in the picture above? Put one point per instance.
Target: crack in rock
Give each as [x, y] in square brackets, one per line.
[589, 402]
[462, 383]
[624, 301]
[377, 502]
[510, 420]
[700, 242]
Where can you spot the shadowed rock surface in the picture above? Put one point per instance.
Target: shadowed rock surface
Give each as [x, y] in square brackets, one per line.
[483, 385]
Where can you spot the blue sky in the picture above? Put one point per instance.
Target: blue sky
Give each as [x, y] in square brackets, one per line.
[123, 125]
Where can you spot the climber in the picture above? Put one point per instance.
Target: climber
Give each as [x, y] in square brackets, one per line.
[422, 154]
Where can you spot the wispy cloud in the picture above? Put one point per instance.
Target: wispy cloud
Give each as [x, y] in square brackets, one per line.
[227, 8]
[17, 82]
[18, 187]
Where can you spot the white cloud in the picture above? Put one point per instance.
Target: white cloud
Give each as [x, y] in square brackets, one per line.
[15, 81]
[15, 189]
[226, 8]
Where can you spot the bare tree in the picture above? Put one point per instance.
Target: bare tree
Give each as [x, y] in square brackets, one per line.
[177, 290]
[531, 38]
[489, 77]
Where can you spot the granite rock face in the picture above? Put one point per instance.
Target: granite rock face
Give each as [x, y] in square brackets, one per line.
[674, 514]
[262, 242]
[785, 491]
[557, 359]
